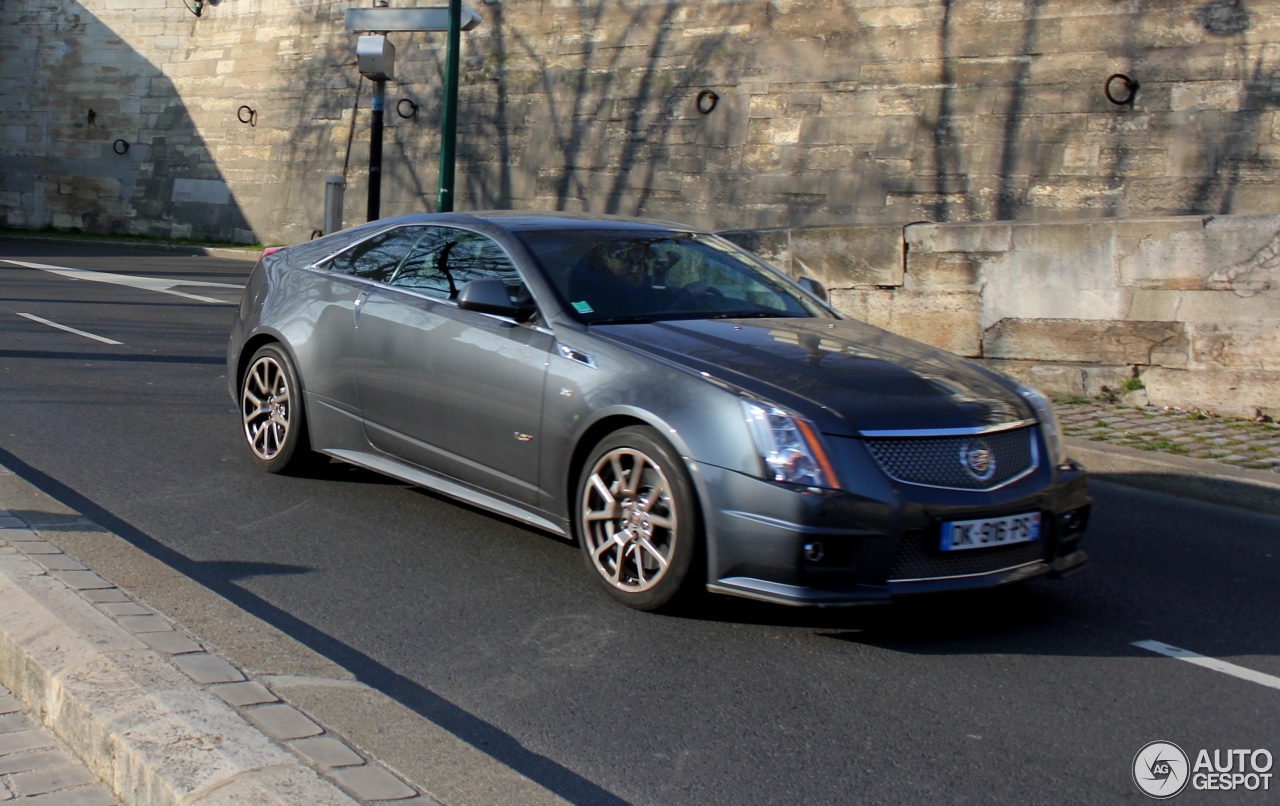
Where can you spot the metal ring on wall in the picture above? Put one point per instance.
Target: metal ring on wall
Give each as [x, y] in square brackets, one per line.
[1130, 87]
[706, 95]
[251, 118]
[117, 147]
[413, 108]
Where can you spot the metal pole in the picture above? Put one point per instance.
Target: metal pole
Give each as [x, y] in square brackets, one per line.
[449, 120]
[333, 185]
[375, 152]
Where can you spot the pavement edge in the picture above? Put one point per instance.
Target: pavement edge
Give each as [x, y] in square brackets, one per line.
[227, 252]
[1256, 490]
[149, 733]
[372, 746]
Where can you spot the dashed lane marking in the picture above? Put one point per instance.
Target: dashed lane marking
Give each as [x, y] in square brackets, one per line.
[164, 285]
[1262, 679]
[35, 318]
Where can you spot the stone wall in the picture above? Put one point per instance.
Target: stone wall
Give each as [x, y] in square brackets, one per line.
[829, 112]
[1188, 305]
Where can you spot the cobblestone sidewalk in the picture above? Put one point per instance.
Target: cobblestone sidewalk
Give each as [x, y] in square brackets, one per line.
[34, 772]
[1242, 443]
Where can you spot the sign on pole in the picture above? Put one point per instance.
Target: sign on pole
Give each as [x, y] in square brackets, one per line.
[451, 19]
[384, 20]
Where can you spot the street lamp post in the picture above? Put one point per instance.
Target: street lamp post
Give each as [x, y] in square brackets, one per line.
[376, 58]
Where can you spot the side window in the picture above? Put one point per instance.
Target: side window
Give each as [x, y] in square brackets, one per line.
[445, 259]
[377, 258]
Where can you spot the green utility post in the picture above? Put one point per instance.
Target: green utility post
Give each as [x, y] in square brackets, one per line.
[449, 120]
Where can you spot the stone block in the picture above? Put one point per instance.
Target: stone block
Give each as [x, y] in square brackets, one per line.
[1198, 95]
[954, 271]
[943, 319]
[993, 237]
[244, 693]
[1156, 305]
[82, 580]
[21, 762]
[1238, 393]
[206, 668]
[144, 624]
[845, 257]
[105, 595]
[1062, 379]
[1190, 252]
[283, 722]
[60, 562]
[67, 221]
[171, 642]
[1227, 307]
[771, 245]
[38, 782]
[1236, 344]
[22, 741]
[327, 752]
[1089, 341]
[372, 783]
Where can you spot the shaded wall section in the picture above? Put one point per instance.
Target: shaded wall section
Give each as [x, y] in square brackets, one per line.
[96, 137]
[829, 111]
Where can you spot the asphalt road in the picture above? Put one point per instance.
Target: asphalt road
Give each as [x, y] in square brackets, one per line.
[1034, 694]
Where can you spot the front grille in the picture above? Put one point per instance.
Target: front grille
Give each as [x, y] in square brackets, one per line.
[918, 557]
[938, 461]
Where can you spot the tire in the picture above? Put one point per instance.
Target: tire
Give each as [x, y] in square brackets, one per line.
[272, 413]
[644, 556]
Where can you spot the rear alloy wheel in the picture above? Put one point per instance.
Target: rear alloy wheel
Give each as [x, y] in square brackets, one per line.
[271, 409]
[636, 518]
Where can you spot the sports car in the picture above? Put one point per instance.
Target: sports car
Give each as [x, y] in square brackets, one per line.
[694, 418]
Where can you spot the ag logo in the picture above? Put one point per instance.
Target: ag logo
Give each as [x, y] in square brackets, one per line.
[977, 460]
[1160, 770]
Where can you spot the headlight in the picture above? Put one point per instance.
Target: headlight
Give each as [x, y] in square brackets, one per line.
[788, 446]
[1048, 422]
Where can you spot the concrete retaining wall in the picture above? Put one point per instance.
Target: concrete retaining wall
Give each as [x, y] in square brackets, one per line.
[1189, 305]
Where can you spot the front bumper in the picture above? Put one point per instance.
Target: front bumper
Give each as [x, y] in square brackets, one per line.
[879, 538]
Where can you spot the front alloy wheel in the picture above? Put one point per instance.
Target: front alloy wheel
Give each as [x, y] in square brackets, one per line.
[636, 518]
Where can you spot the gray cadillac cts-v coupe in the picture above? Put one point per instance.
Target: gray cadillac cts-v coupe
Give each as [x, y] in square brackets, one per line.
[689, 414]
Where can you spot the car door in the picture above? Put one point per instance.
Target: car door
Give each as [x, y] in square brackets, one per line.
[455, 391]
[327, 306]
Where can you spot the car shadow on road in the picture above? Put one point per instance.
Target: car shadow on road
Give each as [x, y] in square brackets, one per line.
[475, 731]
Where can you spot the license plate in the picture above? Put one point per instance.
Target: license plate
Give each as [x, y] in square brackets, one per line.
[986, 532]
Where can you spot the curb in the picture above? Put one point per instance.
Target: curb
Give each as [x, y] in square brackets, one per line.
[151, 734]
[1256, 490]
[228, 252]
[337, 730]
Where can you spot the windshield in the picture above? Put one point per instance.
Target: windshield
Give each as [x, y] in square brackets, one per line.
[608, 276]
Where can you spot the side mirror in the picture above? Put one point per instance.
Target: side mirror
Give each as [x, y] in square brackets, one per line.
[813, 287]
[491, 296]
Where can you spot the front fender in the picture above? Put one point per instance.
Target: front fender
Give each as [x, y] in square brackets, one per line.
[701, 419]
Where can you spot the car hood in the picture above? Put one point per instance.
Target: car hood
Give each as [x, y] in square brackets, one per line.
[846, 376]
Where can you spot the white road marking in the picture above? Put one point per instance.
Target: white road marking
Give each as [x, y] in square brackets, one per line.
[35, 318]
[162, 284]
[1262, 679]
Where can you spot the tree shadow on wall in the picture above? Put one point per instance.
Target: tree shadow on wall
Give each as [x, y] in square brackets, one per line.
[108, 145]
